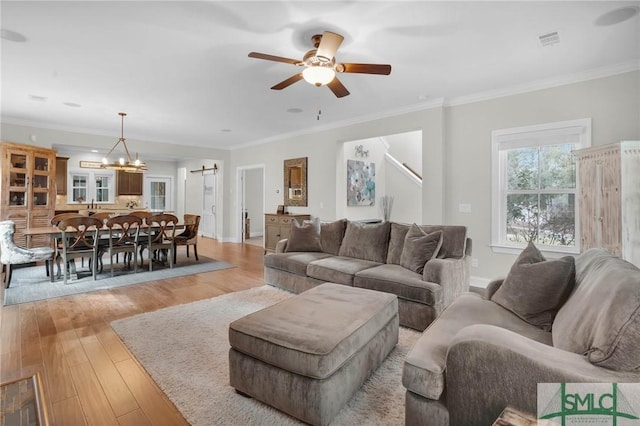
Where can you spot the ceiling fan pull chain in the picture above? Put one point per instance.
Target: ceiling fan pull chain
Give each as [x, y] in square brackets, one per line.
[319, 114]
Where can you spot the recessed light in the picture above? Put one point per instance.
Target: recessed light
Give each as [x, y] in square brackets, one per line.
[94, 150]
[38, 98]
[12, 36]
[72, 104]
[225, 130]
[294, 110]
[617, 15]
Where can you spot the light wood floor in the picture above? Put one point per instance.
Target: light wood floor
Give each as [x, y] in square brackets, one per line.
[90, 377]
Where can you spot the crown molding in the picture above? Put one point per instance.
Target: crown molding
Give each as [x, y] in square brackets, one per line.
[548, 83]
[556, 81]
[73, 129]
[435, 103]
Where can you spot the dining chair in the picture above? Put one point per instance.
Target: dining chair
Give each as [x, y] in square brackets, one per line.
[57, 241]
[11, 254]
[188, 237]
[103, 216]
[80, 239]
[144, 237]
[124, 232]
[160, 237]
[103, 238]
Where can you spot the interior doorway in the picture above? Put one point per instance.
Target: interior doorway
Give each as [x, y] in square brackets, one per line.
[250, 213]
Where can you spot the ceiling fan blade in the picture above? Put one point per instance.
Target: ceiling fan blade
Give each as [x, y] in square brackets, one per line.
[288, 82]
[365, 68]
[273, 58]
[329, 45]
[337, 88]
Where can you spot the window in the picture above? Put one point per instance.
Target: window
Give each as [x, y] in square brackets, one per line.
[157, 193]
[534, 186]
[91, 186]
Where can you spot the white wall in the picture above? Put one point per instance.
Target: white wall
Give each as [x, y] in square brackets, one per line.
[376, 150]
[407, 203]
[406, 148]
[613, 104]
[456, 151]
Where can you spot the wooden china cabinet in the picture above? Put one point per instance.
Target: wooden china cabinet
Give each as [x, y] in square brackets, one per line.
[28, 189]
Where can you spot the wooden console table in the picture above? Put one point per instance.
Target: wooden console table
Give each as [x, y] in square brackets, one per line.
[278, 226]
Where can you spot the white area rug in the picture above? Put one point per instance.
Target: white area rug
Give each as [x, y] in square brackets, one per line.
[185, 349]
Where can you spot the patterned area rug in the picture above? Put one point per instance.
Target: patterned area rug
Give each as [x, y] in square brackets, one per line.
[185, 349]
[31, 284]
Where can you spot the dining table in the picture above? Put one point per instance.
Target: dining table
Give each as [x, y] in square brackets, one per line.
[54, 232]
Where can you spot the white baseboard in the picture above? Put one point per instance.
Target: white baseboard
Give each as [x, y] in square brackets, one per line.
[256, 234]
[479, 282]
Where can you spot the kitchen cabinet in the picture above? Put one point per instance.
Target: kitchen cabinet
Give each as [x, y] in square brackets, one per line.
[609, 198]
[28, 189]
[278, 227]
[129, 183]
[61, 175]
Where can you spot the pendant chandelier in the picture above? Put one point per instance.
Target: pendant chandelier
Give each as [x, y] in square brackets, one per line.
[124, 164]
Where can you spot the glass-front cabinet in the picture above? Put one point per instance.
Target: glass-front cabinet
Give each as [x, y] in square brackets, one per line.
[28, 188]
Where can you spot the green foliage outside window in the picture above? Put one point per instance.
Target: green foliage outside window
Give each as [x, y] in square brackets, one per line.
[541, 185]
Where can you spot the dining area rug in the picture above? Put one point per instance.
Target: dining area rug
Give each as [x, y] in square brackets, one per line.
[29, 284]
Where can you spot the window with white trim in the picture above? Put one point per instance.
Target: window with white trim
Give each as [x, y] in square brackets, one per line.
[534, 186]
[87, 186]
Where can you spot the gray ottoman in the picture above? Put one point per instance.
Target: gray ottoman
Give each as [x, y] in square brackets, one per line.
[309, 354]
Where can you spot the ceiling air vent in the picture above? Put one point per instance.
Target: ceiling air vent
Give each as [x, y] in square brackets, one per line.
[549, 39]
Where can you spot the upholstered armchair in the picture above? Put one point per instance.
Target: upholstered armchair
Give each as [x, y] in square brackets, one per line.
[11, 254]
[188, 237]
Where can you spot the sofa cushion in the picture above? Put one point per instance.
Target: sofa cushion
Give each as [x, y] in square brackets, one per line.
[419, 247]
[424, 367]
[601, 318]
[331, 234]
[338, 269]
[366, 241]
[303, 238]
[294, 262]
[400, 281]
[535, 287]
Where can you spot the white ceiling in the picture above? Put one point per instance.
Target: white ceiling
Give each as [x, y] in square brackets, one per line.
[181, 72]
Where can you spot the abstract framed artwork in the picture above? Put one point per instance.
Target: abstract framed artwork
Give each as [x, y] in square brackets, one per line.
[361, 183]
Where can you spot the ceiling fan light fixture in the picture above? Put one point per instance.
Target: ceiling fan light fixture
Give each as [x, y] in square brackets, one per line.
[318, 75]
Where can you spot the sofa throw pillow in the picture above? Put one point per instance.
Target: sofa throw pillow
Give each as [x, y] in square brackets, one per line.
[396, 242]
[303, 238]
[366, 241]
[331, 235]
[419, 247]
[536, 288]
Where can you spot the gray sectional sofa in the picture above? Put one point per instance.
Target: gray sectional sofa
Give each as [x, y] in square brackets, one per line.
[427, 267]
[549, 321]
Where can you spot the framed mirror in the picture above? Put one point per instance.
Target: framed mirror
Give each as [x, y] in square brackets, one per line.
[295, 182]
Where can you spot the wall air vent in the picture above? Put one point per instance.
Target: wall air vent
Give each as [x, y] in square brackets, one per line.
[549, 39]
